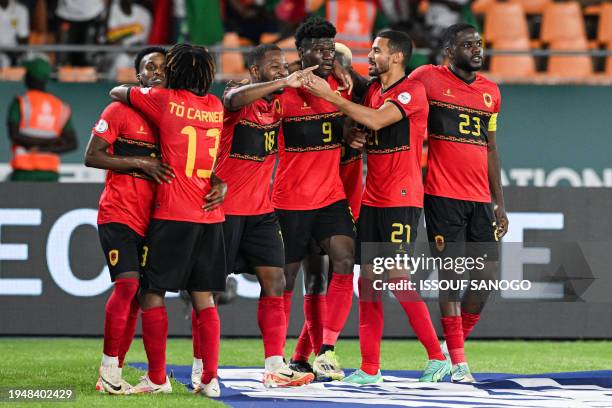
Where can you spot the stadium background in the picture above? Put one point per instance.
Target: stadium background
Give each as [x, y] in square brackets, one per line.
[554, 138]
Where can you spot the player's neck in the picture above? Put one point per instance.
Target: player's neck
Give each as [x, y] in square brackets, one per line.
[391, 77]
[466, 76]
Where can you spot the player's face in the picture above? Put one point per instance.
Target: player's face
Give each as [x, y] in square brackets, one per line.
[467, 51]
[318, 51]
[379, 57]
[153, 70]
[273, 66]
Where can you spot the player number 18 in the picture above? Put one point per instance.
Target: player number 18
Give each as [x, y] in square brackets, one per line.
[269, 140]
[192, 145]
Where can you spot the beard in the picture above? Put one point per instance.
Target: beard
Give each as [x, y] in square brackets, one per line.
[466, 65]
[379, 69]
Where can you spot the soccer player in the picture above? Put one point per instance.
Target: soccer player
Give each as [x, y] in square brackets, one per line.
[249, 144]
[309, 197]
[463, 175]
[395, 112]
[184, 243]
[125, 144]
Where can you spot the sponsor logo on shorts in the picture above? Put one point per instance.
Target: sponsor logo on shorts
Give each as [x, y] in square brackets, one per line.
[113, 257]
[440, 243]
[495, 231]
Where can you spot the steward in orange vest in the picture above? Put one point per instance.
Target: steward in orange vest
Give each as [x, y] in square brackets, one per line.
[354, 22]
[39, 127]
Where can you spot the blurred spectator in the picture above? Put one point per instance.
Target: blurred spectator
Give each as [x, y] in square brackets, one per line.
[249, 18]
[443, 13]
[14, 26]
[127, 24]
[290, 14]
[354, 22]
[39, 127]
[80, 21]
[204, 24]
[162, 22]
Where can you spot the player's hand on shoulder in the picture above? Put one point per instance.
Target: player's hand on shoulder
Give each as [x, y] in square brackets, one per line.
[156, 169]
[502, 221]
[356, 138]
[216, 195]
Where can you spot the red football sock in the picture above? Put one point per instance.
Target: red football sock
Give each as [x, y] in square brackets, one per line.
[130, 330]
[315, 310]
[418, 316]
[195, 335]
[209, 328]
[117, 312]
[154, 335]
[303, 348]
[287, 300]
[339, 300]
[371, 321]
[271, 319]
[453, 333]
[468, 321]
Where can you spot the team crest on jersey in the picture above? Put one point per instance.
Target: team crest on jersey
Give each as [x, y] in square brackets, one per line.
[101, 126]
[277, 106]
[404, 98]
[488, 100]
[113, 256]
[440, 243]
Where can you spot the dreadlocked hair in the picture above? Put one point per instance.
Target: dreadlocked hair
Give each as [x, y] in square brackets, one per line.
[314, 27]
[190, 67]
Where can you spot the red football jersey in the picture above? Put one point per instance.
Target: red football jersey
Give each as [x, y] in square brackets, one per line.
[308, 173]
[189, 132]
[461, 115]
[394, 177]
[127, 198]
[351, 174]
[249, 143]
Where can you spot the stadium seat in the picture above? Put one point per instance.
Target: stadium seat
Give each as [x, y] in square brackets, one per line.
[289, 44]
[77, 74]
[512, 65]
[232, 62]
[125, 75]
[573, 65]
[481, 6]
[269, 38]
[505, 21]
[604, 31]
[533, 6]
[562, 21]
[15, 74]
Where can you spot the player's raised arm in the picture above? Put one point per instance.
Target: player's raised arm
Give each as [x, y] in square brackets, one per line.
[236, 98]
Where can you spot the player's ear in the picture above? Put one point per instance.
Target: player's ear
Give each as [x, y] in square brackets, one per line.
[254, 72]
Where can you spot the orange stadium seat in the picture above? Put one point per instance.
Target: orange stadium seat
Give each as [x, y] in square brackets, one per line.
[232, 62]
[15, 74]
[289, 44]
[562, 21]
[573, 65]
[604, 31]
[513, 65]
[268, 38]
[481, 6]
[77, 74]
[533, 6]
[505, 21]
[126, 75]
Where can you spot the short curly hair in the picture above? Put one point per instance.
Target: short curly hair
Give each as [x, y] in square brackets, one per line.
[144, 52]
[314, 27]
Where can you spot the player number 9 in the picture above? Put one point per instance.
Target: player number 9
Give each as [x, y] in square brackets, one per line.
[327, 131]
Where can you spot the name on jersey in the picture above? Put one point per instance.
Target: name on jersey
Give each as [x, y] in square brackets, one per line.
[181, 111]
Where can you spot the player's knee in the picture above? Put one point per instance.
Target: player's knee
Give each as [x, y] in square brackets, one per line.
[344, 264]
[274, 285]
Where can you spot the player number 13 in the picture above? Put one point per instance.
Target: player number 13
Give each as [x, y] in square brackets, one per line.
[192, 144]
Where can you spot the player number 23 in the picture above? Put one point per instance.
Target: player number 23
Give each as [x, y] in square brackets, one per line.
[192, 145]
[400, 233]
[467, 122]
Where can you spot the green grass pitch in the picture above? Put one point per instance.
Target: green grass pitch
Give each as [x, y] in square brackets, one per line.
[60, 363]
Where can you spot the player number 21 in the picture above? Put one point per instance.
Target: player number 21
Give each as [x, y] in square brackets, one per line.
[192, 144]
[326, 128]
[466, 122]
[399, 232]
